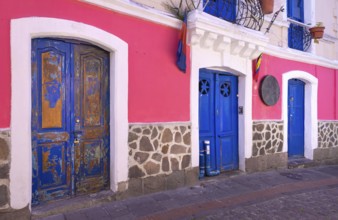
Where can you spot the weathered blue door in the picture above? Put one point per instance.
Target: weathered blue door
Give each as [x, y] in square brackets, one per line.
[295, 117]
[70, 119]
[218, 118]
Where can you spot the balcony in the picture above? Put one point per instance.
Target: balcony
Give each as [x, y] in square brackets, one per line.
[299, 37]
[247, 13]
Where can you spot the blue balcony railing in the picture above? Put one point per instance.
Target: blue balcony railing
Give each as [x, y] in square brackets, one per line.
[247, 13]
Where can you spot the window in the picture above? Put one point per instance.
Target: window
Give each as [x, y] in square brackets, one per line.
[296, 38]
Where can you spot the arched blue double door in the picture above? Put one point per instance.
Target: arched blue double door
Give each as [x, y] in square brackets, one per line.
[218, 118]
[70, 119]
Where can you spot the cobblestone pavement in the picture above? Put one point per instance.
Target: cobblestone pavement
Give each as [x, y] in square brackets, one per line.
[310, 193]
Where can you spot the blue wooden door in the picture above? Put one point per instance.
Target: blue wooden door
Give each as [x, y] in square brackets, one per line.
[70, 119]
[296, 117]
[227, 120]
[218, 118]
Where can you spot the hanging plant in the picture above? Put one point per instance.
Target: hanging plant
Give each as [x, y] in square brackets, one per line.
[317, 32]
[267, 6]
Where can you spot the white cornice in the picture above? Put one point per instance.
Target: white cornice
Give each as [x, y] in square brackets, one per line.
[300, 56]
[221, 36]
[139, 11]
[211, 31]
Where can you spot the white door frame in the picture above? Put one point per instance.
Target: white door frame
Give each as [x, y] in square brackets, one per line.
[23, 30]
[310, 110]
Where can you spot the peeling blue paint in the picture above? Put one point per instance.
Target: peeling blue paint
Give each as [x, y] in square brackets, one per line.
[93, 85]
[53, 92]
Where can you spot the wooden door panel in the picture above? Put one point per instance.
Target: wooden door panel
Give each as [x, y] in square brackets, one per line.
[91, 113]
[50, 124]
[227, 120]
[52, 159]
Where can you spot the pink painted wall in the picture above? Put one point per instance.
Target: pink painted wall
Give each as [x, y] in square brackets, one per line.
[158, 91]
[327, 88]
[327, 93]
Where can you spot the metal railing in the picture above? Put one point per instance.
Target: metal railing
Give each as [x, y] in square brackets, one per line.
[247, 13]
[299, 36]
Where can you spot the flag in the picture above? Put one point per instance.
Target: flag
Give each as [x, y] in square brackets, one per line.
[182, 45]
[258, 66]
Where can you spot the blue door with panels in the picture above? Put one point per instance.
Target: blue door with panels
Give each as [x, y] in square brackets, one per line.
[218, 118]
[296, 118]
[70, 119]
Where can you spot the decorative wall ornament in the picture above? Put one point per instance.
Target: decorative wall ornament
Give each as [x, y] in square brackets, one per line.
[269, 90]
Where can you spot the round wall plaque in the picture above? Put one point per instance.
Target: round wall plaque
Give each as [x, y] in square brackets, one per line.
[269, 90]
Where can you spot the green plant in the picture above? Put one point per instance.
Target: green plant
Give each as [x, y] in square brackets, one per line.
[317, 32]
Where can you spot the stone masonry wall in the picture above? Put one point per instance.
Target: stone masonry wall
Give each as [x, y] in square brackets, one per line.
[4, 169]
[327, 151]
[158, 149]
[267, 138]
[327, 134]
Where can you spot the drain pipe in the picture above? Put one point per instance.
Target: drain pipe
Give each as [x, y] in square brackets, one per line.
[209, 172]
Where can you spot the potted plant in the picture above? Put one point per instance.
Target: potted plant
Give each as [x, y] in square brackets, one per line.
[317, 31]
[267, 6]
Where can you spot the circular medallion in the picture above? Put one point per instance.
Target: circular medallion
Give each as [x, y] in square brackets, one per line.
[269, 90]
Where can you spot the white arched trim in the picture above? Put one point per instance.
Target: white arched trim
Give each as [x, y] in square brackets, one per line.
[22, 32]
[310, 113]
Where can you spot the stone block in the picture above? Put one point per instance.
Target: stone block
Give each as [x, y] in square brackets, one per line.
[174, 164]
[122, 186]
[326, 156]
[154, 184]
[135, 187]
[152, 168]
[4, 149]
[185, 161]
[276, 161]
[167, 136]
[17, 214]
[191, 176]
[135, 172]
[4, 171]
[4, 199]
[175, 180]
[266, 162]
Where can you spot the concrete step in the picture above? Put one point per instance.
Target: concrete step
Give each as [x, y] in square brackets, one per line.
[73, 204]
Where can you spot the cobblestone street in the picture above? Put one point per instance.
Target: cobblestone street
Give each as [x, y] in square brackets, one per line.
[310, 193]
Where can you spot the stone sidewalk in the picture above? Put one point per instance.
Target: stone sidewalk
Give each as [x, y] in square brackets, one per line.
[310, 193]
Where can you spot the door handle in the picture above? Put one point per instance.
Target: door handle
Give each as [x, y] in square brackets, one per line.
[76, 141]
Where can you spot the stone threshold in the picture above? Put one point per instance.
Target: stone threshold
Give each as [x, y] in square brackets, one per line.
[300, 162]
[65, 205]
